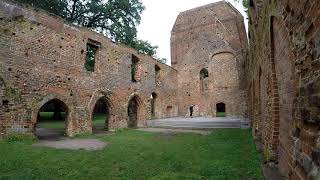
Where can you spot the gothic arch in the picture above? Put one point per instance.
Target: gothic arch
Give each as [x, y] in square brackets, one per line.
[61, 113]
[136, 111]
[39, 104]
[104, 96]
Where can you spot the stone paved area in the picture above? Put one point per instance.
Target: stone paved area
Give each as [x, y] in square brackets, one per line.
[199, 123]
[73, 144]
[173, 131]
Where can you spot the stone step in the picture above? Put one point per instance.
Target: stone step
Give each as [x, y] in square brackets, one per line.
[199, 123]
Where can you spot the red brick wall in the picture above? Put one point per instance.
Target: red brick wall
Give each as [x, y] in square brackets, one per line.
[211, 37]
[42, 58]
[284, 43]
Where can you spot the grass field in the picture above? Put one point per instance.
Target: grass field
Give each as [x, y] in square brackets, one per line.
[49, 123]
[225, 154]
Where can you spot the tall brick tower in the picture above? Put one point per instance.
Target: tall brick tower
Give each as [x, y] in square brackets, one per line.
[208, 48]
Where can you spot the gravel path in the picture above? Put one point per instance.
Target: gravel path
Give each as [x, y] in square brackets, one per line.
[73, 144]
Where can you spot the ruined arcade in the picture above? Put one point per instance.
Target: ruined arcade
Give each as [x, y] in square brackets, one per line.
[43, 61]
[270, 80]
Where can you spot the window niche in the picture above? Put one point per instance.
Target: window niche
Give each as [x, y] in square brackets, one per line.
[157, 74]
[134, 68]
[251, 3]
[92, 49]
[204, 79]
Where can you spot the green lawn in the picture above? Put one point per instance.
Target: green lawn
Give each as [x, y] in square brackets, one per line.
[221, 114]
[224, 154]
[49, 123]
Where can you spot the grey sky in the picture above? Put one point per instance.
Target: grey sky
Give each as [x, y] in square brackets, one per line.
[159, 17]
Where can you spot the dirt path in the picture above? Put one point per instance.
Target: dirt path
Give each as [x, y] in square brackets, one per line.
[73, 144]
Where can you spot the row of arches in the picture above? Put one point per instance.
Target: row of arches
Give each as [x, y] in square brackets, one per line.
[54, 115]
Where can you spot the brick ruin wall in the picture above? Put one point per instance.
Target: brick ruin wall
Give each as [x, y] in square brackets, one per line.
[277, 86]
[284, 83]
[210, 38]
[42, 58]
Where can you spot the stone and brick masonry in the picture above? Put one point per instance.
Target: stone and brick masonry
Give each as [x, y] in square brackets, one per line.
[274, 81]
[43, 57]
[284, 83]
[210, 39]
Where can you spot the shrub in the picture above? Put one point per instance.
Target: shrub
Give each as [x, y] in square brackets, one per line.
[122, 130]
[19, 137]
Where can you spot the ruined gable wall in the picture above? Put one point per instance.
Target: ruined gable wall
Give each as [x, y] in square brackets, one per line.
[283, 71]
[42, 58]
[211, 37]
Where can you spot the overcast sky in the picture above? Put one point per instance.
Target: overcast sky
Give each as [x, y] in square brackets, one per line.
[159, 17]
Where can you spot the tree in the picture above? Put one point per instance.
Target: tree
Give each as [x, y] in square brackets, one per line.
[144, 47]
[117, 19]
[245, 3]
[162, 60]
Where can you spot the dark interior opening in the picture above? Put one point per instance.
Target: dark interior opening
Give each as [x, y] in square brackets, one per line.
[100, 116]
[153, 105]
[191, 109]
[51, 120]
[133, 109]
[221, 110]
[134, 68]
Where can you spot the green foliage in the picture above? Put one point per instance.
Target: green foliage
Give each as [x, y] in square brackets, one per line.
[46, 121]
[144, 47]
[119, 130]
[245, 3]
[116, 19]
[19, 137]
[131, 154]
[99, 119]
[90, 57]
[162, 60]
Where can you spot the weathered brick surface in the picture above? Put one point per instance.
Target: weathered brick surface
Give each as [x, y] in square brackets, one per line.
[42, 58]
[283, 76]
[210, 37]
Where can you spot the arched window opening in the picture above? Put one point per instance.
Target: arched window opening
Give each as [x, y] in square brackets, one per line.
[204, 79]
[221, 109]
[52, 120]
[133, 112]
[100, 115]
[153, 105]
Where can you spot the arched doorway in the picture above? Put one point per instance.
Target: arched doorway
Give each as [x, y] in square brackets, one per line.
[220, 110]
[133, 112]
[153, 102]
[52, 120]
[101, 115]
